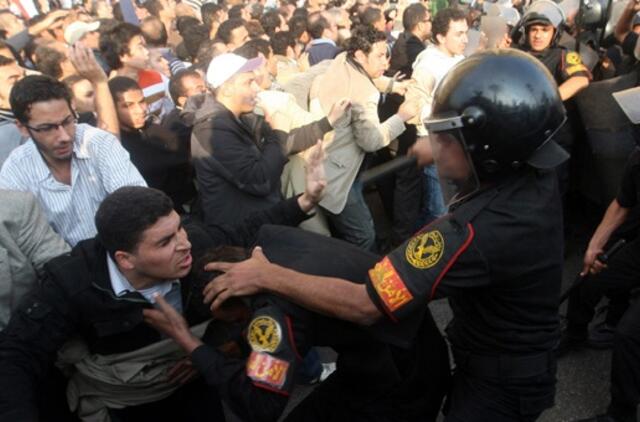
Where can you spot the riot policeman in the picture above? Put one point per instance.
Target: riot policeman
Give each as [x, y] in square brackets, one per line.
[497, 255]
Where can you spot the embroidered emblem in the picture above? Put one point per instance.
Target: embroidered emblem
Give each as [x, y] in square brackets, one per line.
[267, 369]
[265, 334]
[389, 285]
[425, 250]
[573, 58]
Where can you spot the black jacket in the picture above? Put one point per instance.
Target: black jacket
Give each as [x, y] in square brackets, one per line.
[239, 162]
[404, 53]
[75, 298]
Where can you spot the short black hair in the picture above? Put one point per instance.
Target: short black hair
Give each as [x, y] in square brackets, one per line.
[443, 19]
[193, 37]
[280, 41]
[208, 12]
[224, 31]
[120, 85]
[158, 37]
[251, 48]
[49, 60]
[236, 11]
[115, 43]
[254, 29]
[316, 25]
[370, 16]
[362, 39]
[176, 89]
[34, 89]
[154, 7]
[6, 61]
[125, 214]
[297, 26]
[184, 22]
[413, 15]
[270, 21]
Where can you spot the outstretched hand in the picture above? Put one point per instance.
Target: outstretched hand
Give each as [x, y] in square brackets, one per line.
[239, 278]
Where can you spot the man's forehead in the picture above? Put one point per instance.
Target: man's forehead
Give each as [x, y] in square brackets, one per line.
[49, 111]
[163, 227]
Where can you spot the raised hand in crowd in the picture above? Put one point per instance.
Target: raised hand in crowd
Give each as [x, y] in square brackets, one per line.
[315, 178]
[83, 59]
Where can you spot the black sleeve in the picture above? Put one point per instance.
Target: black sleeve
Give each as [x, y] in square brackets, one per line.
[228, 375]
[286, 212]
[629, 43]
[628, 193]
[28, 345]
[304, 137]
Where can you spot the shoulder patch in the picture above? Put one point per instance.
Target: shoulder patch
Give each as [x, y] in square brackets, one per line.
[573, 58]
[576, 68]
[390, 287]
[264, 368]
[425, 250]
[264, 334]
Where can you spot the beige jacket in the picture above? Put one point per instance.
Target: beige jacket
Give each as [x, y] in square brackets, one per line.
[352, 138]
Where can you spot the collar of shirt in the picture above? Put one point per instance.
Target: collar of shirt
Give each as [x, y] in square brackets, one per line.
[79, 151]
[322, 41]
[121, 285]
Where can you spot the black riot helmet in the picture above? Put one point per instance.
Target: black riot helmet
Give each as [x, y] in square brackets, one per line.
[503, 107]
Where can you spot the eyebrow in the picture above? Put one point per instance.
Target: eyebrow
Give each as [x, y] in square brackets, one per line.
[49, 124]
[168, 237]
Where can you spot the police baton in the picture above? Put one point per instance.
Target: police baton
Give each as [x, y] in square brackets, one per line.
[604, 257]
[373, 174]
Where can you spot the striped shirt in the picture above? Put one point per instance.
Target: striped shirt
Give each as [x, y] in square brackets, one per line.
[99, 166]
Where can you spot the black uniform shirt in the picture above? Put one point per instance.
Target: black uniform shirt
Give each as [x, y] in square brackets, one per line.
[630, 187]
[562, 63]
[498, 257]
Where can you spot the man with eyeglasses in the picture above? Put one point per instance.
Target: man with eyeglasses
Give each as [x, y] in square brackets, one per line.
[69, 167]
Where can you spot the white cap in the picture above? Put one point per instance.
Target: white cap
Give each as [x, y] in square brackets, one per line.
[225, 66]
[77, 30]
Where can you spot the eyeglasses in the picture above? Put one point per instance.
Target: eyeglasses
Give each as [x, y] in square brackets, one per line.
[49, 128]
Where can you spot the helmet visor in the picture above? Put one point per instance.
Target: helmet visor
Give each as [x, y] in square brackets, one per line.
[456, 173]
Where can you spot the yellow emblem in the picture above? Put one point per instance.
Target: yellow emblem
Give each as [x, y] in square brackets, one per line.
[425, 250]
[573, 58]
[264, 334]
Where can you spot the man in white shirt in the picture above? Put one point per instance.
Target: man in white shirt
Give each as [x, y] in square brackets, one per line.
[449, 31]
[69, 167]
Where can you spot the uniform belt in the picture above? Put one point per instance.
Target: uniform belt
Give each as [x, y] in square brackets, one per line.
[504, 366]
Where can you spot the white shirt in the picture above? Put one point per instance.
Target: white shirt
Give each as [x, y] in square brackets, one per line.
[121, 286]
[99, 166]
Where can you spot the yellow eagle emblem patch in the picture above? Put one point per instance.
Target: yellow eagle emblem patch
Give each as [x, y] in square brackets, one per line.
[264, 334]
[425, 250]
[573, 58]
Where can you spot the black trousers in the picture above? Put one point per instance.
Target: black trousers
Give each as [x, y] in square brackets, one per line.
[621, 276]
[481, 399]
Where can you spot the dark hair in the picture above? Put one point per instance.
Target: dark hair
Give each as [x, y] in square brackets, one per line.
[34, 89]
[117, 12]
[370, 16]
[236, 11]
[251, 48]
[443, 19]
[120, 85]
[300, 11]
[158, 36]
[270, 21]
[205, 52]
[256, 10]
[48, 61]
[193, 37]
[280, 41]
[176, 89]
[115, 43]
[224, 31]
[297, 26]
[154, 7]
[413, 15]
[254, 29]
[208, 12]
[316, 25]
[184, 22]
[362, 39]
[125, 214]
[6, 61]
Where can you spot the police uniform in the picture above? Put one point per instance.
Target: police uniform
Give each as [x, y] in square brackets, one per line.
[562, 63]
[620, 277]
[374, 381]
[498, 254]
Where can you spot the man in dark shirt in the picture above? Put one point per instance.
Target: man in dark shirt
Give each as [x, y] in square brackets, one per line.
[161, 156]
[619, 276]
[416, 21]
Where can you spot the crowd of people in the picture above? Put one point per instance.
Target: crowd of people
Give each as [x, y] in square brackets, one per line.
[184, 216]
